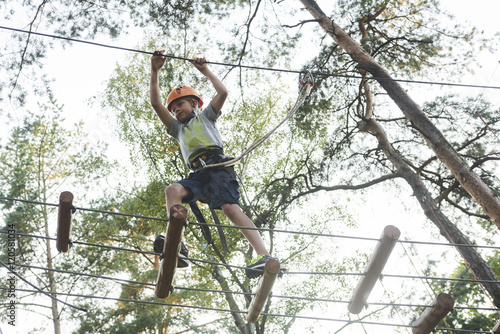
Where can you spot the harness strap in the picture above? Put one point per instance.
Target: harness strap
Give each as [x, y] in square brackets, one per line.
[199, 217]
[212, 155]
[220, 230]
[204, 226]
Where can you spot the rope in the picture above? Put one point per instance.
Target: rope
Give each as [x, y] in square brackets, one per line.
[40, 290]
[306, 82]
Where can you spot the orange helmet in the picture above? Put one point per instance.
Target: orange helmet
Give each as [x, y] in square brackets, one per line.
[182, 91]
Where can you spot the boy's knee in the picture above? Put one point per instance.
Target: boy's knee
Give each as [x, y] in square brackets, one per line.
[230, 208]
[175, 189]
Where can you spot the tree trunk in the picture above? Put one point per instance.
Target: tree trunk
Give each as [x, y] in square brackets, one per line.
[52, 282]
[472, 258]
[481, 193]
[240, 322]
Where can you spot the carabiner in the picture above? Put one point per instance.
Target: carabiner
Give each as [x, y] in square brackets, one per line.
[307, 79]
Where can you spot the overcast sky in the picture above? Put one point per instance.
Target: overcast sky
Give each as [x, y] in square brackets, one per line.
[80, 71]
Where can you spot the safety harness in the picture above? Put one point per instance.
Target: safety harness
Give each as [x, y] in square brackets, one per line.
[208, 157]
[204, 226]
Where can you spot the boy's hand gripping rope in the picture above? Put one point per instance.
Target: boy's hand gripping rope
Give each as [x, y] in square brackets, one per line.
[306, 84]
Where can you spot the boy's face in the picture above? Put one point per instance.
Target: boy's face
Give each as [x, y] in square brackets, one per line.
[182, 108]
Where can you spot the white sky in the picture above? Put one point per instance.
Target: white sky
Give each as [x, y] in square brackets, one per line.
[81, 70]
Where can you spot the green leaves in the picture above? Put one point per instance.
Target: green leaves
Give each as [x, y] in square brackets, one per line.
[41, 159]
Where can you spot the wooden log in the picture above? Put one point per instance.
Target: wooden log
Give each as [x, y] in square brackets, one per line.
[496, 329]
[374, 268]
[64, 221]
[266, 282]
[432, 315]
[171, 247]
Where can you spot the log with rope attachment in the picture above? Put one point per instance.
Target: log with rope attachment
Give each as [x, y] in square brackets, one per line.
[64, 215]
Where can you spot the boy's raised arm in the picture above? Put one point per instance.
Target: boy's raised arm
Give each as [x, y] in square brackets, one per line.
[219, 99]
[157, 62]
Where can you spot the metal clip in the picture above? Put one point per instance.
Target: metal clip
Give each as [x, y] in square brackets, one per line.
[307, 81]
[203, 164]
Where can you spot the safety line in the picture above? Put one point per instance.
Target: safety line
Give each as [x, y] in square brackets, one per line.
[326, 75]
[62, 271]
[313, 272]
[84, 209]
[477, 113]
[255, 228]
[307, 83]
[327, 300]
[38, 289]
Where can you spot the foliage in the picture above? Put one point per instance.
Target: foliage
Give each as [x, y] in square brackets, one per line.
[88, 20]
[467, 293]
[320, 150]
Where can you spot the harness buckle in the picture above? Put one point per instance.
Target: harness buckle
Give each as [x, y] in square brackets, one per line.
[307, 82]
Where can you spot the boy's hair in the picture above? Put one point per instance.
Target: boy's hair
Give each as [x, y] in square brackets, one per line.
[188, 99]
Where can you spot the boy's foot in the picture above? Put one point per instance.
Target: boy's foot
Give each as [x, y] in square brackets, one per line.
[183, 253]
[183, 261]
[256, 268]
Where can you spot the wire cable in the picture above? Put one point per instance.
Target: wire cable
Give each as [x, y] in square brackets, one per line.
[287, 272]
[257, 228]
[303, 317]
[326, 75]
[40, 290]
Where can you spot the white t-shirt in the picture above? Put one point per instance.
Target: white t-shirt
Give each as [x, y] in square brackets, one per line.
[198, 135]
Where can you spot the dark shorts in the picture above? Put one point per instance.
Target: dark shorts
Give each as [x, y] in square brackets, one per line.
[213, 186]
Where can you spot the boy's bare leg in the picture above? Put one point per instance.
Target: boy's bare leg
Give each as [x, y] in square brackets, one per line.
[236, 215]
[174, 194]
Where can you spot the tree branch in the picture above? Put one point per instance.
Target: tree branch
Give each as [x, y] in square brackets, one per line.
[26, 46]
[301, 23]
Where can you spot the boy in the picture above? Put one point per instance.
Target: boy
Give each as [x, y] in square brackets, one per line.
[201, 145]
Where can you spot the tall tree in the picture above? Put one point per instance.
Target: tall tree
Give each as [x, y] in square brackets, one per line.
[444, 151]
[40, 159]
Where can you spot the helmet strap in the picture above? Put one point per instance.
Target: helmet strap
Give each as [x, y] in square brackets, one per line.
[196, 108]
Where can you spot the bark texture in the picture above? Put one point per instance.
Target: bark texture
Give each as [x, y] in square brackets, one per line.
[481, 193]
